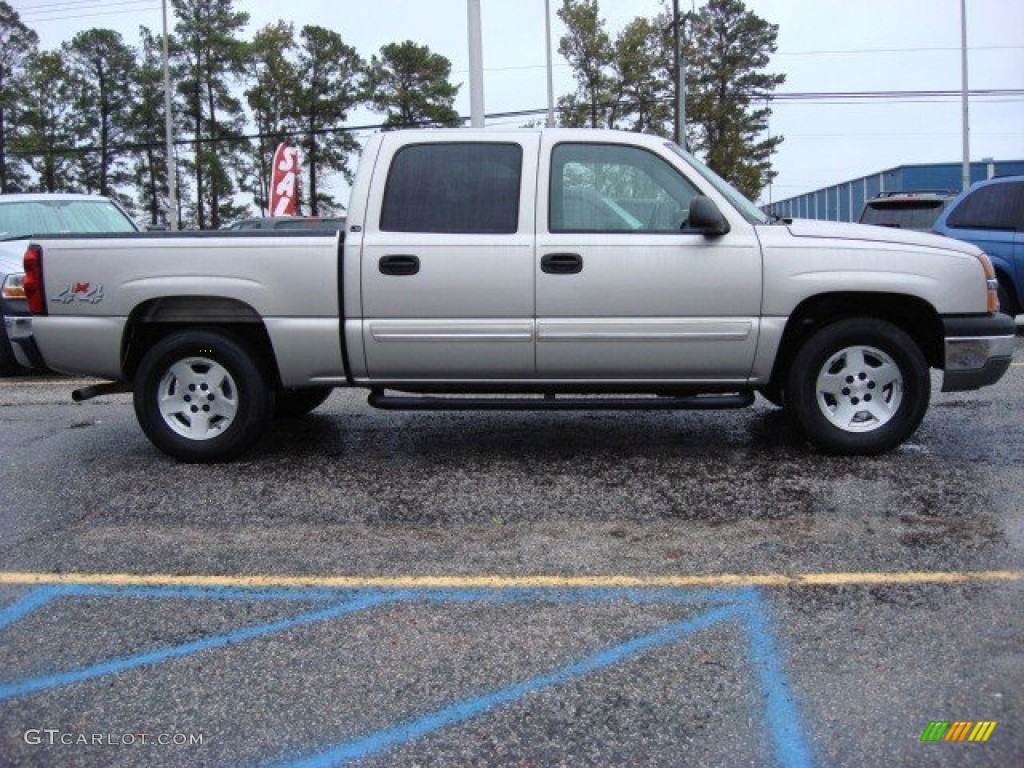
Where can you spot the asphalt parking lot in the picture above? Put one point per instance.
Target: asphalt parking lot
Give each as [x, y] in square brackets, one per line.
[516, 589]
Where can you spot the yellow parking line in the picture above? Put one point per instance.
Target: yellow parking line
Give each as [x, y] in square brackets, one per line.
[508, 582]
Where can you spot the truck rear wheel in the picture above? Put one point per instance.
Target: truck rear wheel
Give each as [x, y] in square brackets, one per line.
[858, 387]
[200, 396]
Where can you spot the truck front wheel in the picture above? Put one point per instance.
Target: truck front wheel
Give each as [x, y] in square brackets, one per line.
[858, 387]
[200, 397]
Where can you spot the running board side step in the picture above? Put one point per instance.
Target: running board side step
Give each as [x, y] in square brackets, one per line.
[378, 399]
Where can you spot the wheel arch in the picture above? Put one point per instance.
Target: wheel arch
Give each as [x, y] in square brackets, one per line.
[157, 318]
[915, 316]
[1008, 285]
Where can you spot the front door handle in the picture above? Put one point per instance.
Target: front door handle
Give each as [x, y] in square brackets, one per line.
[561, 263]
[399, 264]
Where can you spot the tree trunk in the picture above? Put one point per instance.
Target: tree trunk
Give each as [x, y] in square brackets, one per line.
[154, 203]
[314, 204]
[3, 152]
[200, 205]
[104, 134]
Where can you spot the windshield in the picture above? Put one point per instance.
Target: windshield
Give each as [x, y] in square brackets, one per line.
[750, 212]
[24, 218]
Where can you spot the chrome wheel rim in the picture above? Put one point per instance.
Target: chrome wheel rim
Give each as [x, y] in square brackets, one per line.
[198, 398]
[859, 389]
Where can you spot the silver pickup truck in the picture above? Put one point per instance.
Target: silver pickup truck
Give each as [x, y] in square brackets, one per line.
[536, 269]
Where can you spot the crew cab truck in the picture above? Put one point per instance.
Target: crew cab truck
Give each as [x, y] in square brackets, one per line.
[534, 269]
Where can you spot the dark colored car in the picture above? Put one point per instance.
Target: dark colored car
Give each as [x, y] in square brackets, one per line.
[990, 215]
[906, 210]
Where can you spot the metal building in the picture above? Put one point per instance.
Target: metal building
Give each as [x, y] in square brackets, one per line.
[843, 201]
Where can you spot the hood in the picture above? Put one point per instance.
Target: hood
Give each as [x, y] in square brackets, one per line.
[840, 231]
[12, 253]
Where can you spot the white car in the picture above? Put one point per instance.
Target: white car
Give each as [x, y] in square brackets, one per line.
[23, 216]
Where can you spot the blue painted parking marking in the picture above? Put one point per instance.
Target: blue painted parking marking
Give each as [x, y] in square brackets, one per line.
[115, 666]
[741, 607]
[466, 710]
[22, 607]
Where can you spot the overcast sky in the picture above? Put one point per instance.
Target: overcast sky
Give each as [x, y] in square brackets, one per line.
[824, 46]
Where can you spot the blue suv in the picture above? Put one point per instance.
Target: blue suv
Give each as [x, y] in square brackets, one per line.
[990, 214]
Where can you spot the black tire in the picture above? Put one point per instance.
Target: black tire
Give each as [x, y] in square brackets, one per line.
[8, 363]
[1006, 299]
[292, 403]
[774, 395]
[219, 403]
[858, 387]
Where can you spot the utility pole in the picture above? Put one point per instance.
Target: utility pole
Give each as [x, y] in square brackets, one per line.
[551, 78]
[476, 65]
[172, 180]
[680, 72]
[963, 96]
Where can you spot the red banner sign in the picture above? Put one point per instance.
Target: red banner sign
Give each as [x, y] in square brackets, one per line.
[284, 181]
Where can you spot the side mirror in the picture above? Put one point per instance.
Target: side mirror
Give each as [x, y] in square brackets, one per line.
[706, 218]
[157, 228]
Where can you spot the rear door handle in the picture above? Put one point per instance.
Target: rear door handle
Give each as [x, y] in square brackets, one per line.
[399, 264]
[561, 263]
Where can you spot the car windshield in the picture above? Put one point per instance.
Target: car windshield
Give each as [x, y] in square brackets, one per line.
[24, 218]
[913, 214]
[750, 212]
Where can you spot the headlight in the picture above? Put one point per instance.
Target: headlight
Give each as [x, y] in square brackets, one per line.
[14, 286]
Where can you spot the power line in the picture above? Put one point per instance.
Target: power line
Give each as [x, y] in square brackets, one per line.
[887, 95]
[61, 3]
[522, 67]
[860, 96]
[131, 6]
[858, 51]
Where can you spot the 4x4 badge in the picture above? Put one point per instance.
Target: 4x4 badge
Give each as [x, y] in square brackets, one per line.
[87, 292]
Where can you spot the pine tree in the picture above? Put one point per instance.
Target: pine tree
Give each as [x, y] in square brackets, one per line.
[102, 69]
[48, 139]
[17, 43]
[271, 96]
[210, 58]
[589, 51]
[328, 72]
[732, 47]
[146, 126]
[411, 85]
[629, 83]
[644, 85]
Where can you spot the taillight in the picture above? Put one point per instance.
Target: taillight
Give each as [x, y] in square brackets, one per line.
[34, 291]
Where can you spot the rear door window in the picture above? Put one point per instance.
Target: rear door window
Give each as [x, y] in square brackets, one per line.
[470, 188]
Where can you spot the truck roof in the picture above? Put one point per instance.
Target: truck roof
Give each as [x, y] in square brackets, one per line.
[484, 133]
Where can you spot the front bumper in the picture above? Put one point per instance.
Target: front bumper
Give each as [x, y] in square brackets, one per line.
[978, 351]
[19, 333]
